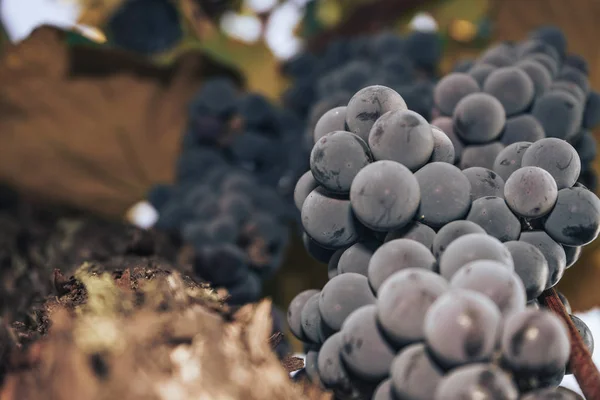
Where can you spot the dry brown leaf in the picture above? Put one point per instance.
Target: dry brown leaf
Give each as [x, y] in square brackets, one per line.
[89, 127]
[513, 19]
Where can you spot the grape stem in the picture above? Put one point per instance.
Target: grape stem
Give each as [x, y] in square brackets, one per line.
[583, 367]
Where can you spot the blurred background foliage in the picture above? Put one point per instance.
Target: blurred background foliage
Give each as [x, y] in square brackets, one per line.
[465, 26]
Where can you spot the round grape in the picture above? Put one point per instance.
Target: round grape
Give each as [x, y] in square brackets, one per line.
[473, 247]
[451, 232]
[531, 266]
[446, 125]
[575, 76]
[367, 105]
[397, 255]
[329, 220]
[585, 333]
[552, 36]
[530, 192]
[493, 215]
[539, 75]
[479, 118]
[365, 351]
[480, 155]
[536, 46]
[294, 312]
[484, 182]
[443, 149]
[384, 391]
[480, 72]
[403, 301]
[552, 251]
[333, 120]
[558, 112]
[572, 253]
[356, 257]
[557, 157]
[445, 194]
[413, 231]
[311, 367]
[332, 372]
[341, 296]
[385, 195]
[551, 394]
[311, 319]
[522, 128]
[304, 186]
[572, 89]
[451, 89]
[336, 158]
[509, 159]
[415, 375]
[402, 136]
[512, 87]
[535, 341]
[548, 62]
[493, 279]
[578, 62]
[477, 381]
[332, 265]
[575, 220]
[316, 251]
[462, 327]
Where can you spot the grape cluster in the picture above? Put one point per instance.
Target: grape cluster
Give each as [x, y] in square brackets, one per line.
[519, 92]
[323, 81]
[232, 197]
[434, 272]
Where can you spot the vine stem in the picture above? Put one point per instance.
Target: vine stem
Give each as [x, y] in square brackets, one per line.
[581, 363]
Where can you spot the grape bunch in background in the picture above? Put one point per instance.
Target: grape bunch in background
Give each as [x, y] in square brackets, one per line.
[434, 272]
[519, 92]
[232, 198]
[322, 81]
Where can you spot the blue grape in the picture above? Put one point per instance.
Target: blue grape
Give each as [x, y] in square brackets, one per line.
[451, 89]
[484, 182]
[509, 159]
[539, 75]
[531, 266]
[414, 231]
[512, 87]
[530, 192]
[333, 120]
[443, 149]
[446, 125]
[552, 251]
[481, 71]
[356, 257]
[557, 157]
[479, 118]
[559, 113]
[476, 381]
[482, 155]
[495, 217]
[294, 318]
[414, 374]
[452, 231]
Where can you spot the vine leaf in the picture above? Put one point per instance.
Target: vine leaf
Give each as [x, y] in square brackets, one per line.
[92, 127]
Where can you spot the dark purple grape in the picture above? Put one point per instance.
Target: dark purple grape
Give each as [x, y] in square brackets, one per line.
[575, 220]
[573, 253]
[443, 149]
[535, 341]
[446, 125]
[311, 367]
[552, 36]
[451, 232]
[332, 121]
[512, 87]
[548, 62]
[494, 280]
[402, 136]
[415, 374]
[559, 113]
[522, 128]
[530, 381]
[509, 159]
[571, 74]
[367, 105]
[531, 266]
[462, 327]
[304, 186]
[315, 250]
[385, 195]
[530, 192]
[451, 89]
[552, 251]
[413, 231]
[578, 62]
[477, 381]
[499, 59]
[482, 155]
[535, 46]
[403, 301]
[329, 220]
[473, 247]
[365, 351]
[479, 118]
[494, 216]
[341, 296]
[480, 72]
[572, 89]
[557, 157]
[294, 313]
[332, 371]
[585, 333]
[484, 182]
[539, 75]
[356, 257]
[310, 319]
[395, 256]
[384, 391]
[445, 194]
[586, 147]
[336, 158]
[591, 114]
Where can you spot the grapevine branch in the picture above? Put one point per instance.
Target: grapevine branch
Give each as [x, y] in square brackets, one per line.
[581, 363]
